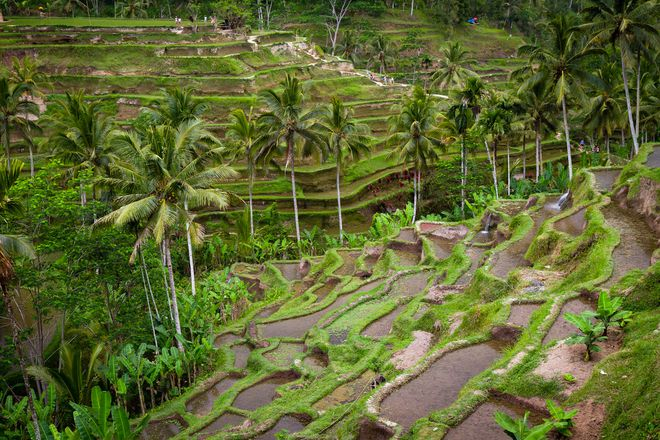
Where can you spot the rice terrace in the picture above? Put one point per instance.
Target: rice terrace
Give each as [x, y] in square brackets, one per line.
[330, 219]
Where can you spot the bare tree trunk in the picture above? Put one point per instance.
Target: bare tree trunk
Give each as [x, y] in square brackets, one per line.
[492, 162]
[638, 94]
[538, 150]
[250, 184]
[412, 7]
[6, 139]
[463, 176]
[146, 294]
[508, 169]
[568, 139]
[175, 306]
[414, 195]
[191, 261]
[293, 188]
[21, 361]
[165, 282]
[341, 225]
[630, 114]
[607, 145]
[524, 152]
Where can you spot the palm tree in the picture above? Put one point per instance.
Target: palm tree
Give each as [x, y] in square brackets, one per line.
[178, 105]
[345, 139]
[289, 124]
[604, 113]
[459, 120]
[535, 97]
[15, 111]
[11, 245]
[452, 70]
[81, 136]
[415, 136]
[161, 178]
[349, 45]
[246, 132]
[472, 93]
[560, 61]
[496, 121]
[382, 52]
[632, 25]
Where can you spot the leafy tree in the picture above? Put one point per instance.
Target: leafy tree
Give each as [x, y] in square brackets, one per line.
[560, 61]
[133, 8]
[81, 135]
[161, 178]
[415, 136]
[381, 53]
[632, 26]
[11, 245]
[518, 429]
[15, 110]
[459, 120]
[346, 140]
[609, 311]
[288, 123]
[452, 68]
[590, 333]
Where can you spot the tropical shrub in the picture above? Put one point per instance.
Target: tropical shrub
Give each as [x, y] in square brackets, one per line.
[590, 332]
[519, 429]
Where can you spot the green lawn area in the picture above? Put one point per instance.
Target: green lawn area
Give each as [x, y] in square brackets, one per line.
[86, 22]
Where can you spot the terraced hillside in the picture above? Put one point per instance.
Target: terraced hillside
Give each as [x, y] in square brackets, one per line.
[433, 330]
[126, 69]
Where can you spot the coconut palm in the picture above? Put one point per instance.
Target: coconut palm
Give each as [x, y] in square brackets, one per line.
[81, 136]
[631, 25]
[15, 111]
[455, 128]
[452, 68]
[349, 45]
[288, 123]
[472, 94]
[178, 105]
[246, 132]
[11, 246]
[381, 53]
[415, 136]
[604, 113]
[346, 140]
[161, 177]
[535, 97]
[560, 61]
[496, 122]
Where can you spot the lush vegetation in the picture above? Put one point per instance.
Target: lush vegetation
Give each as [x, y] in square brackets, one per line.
[126, 242]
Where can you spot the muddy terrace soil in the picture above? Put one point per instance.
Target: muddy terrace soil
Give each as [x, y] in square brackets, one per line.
[438, 386]
[262, 393]
[637, 244]
[288, 423]
[227, 419]
[163, 429]
[382, 326]
[605, 179]
[520, 314]
[573, 225]
[561, 329]
[241, 354]
[203, 404]
[481, 425]
[475, 254]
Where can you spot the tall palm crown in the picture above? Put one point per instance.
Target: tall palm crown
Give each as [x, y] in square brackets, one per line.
[452, 68]
[246, 132]
[415, 135]
[158, 170]
[604, 113]
[382, 52]
[561, 63]
[81, 133]
[346, 140]
[15, 111]
[288, 123]
[179, 105]
[632, 25]
[471, 94]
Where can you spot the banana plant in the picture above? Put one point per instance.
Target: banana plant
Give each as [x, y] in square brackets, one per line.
[590, 332]
[561, 420]
[518, 429]
[609, 312]
[134, 363]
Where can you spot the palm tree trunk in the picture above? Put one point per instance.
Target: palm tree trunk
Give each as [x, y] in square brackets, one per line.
[568, 139]
[341, 226]
[412, 7]
[638, 94]
[165, 283]
[414, 195]
[250, 184]
[607, 145]
[151, 316]
[538, 150]
[191, 261]
[630, 114]
[6, 141]
[21, 361]
[175, 306]
[293, 187]
[31, 159]
[463, 177]
[524, 156]
[492, 162]
[508, 169]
